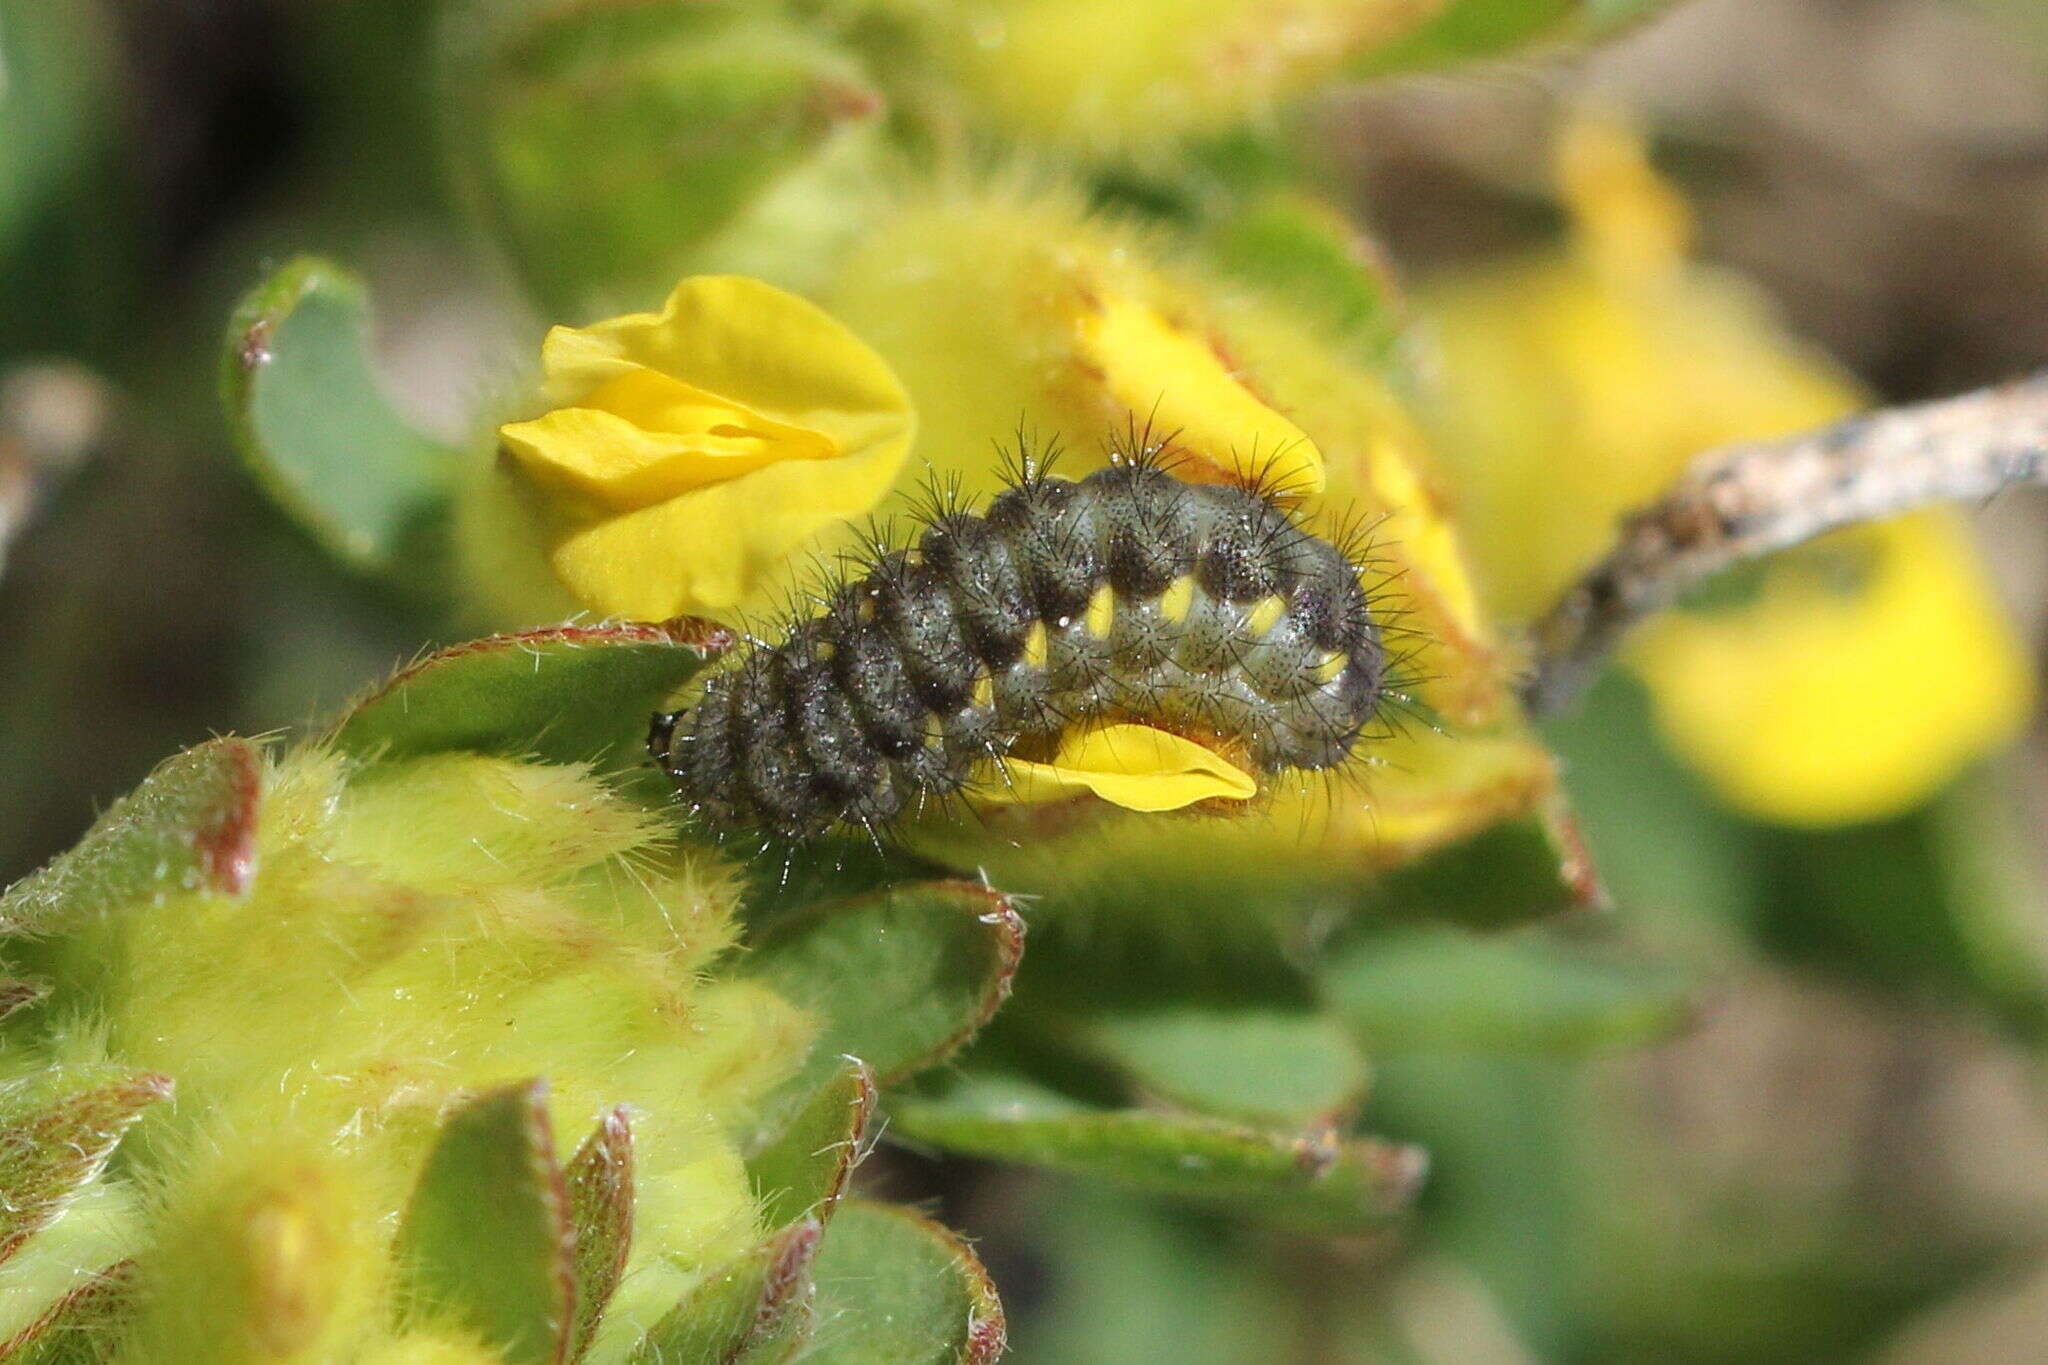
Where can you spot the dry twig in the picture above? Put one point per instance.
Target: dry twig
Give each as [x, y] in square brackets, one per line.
[1740, 502]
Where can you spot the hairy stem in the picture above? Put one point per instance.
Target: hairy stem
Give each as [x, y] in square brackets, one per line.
[1739, 502]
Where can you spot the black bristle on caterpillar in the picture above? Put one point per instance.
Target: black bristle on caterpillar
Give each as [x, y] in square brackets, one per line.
[1128, 595]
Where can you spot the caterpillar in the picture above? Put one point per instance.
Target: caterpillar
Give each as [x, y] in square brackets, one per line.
[1127, 595]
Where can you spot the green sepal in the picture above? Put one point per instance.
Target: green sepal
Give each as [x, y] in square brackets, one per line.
[901, 979]
[486, 1238]
[598, 1182]
[57, 1129]
[190, 826]
[896, 1286]
[566, 694]
[81, 1328]
[1315, 1181]
[319, 437]
[805, 1169]
[754, 1310]
[1536, 991]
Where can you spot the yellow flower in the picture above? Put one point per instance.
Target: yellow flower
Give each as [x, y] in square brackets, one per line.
[689, 453]
[1871, 664]
[1576, 384]
[998, 306]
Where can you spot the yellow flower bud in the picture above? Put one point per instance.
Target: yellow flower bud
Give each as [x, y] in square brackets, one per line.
[689, 453]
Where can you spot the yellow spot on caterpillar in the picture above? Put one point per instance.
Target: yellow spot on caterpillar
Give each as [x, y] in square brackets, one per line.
[985, 691]
[1178, 597]
[1101, 611]
[867, 609]
[1331, 665]
[1036, 649]
[934, 730]
[825, 651]
[1264, 613]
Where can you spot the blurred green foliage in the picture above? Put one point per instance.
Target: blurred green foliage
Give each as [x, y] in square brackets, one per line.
[1236, 1125]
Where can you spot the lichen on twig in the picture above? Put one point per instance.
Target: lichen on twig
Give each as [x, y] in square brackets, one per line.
[1740, 502]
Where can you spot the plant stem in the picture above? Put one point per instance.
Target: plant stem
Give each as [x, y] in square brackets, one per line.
[1743, 501]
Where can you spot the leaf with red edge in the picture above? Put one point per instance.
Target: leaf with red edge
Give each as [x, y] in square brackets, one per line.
[567, 694]
[81, 1328]
[894, 1285]
[600, 1187]
[806, 1168]
[57, 1130]
[900, 980]
[486, 1238]
[754, 1310]
[190, 826]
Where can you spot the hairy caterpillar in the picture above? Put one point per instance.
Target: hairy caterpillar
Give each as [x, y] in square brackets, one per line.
[1127, 595]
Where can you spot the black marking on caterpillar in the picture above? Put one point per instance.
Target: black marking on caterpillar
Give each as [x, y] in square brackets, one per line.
[1129, 595]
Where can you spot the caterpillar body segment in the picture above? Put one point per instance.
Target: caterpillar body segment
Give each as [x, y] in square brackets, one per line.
[1128, 595]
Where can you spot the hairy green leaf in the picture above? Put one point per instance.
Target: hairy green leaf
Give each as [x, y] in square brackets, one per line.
[57, 1129]
[486, 1237]
[566, 694]
[805, 1169]
[755, 1310]
[190, 826]
[900, 979]
[1317, 1181]
[895, 1286]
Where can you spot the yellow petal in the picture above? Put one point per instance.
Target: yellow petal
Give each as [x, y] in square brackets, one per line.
[1821, 703]
[694, 451]
[1175, 381]
[1133, 766]
[780, 355]
[713, 548]
[646, 437]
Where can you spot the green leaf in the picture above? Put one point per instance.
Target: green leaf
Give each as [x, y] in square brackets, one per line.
[805, 1169]
[895, 1286]
[190, 826]
[612, 148]
[1447, 989]
[1262, 1065]
[486, 1238]
[754, 1310]
[568, 694]
[599, 1183]
[1467, 30]
[58, 57]
[1317, 1181]
[315, 431]
[1511, 873]
[57, 1129]
[900, 979]
[81, 1328]
[1310, 254]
